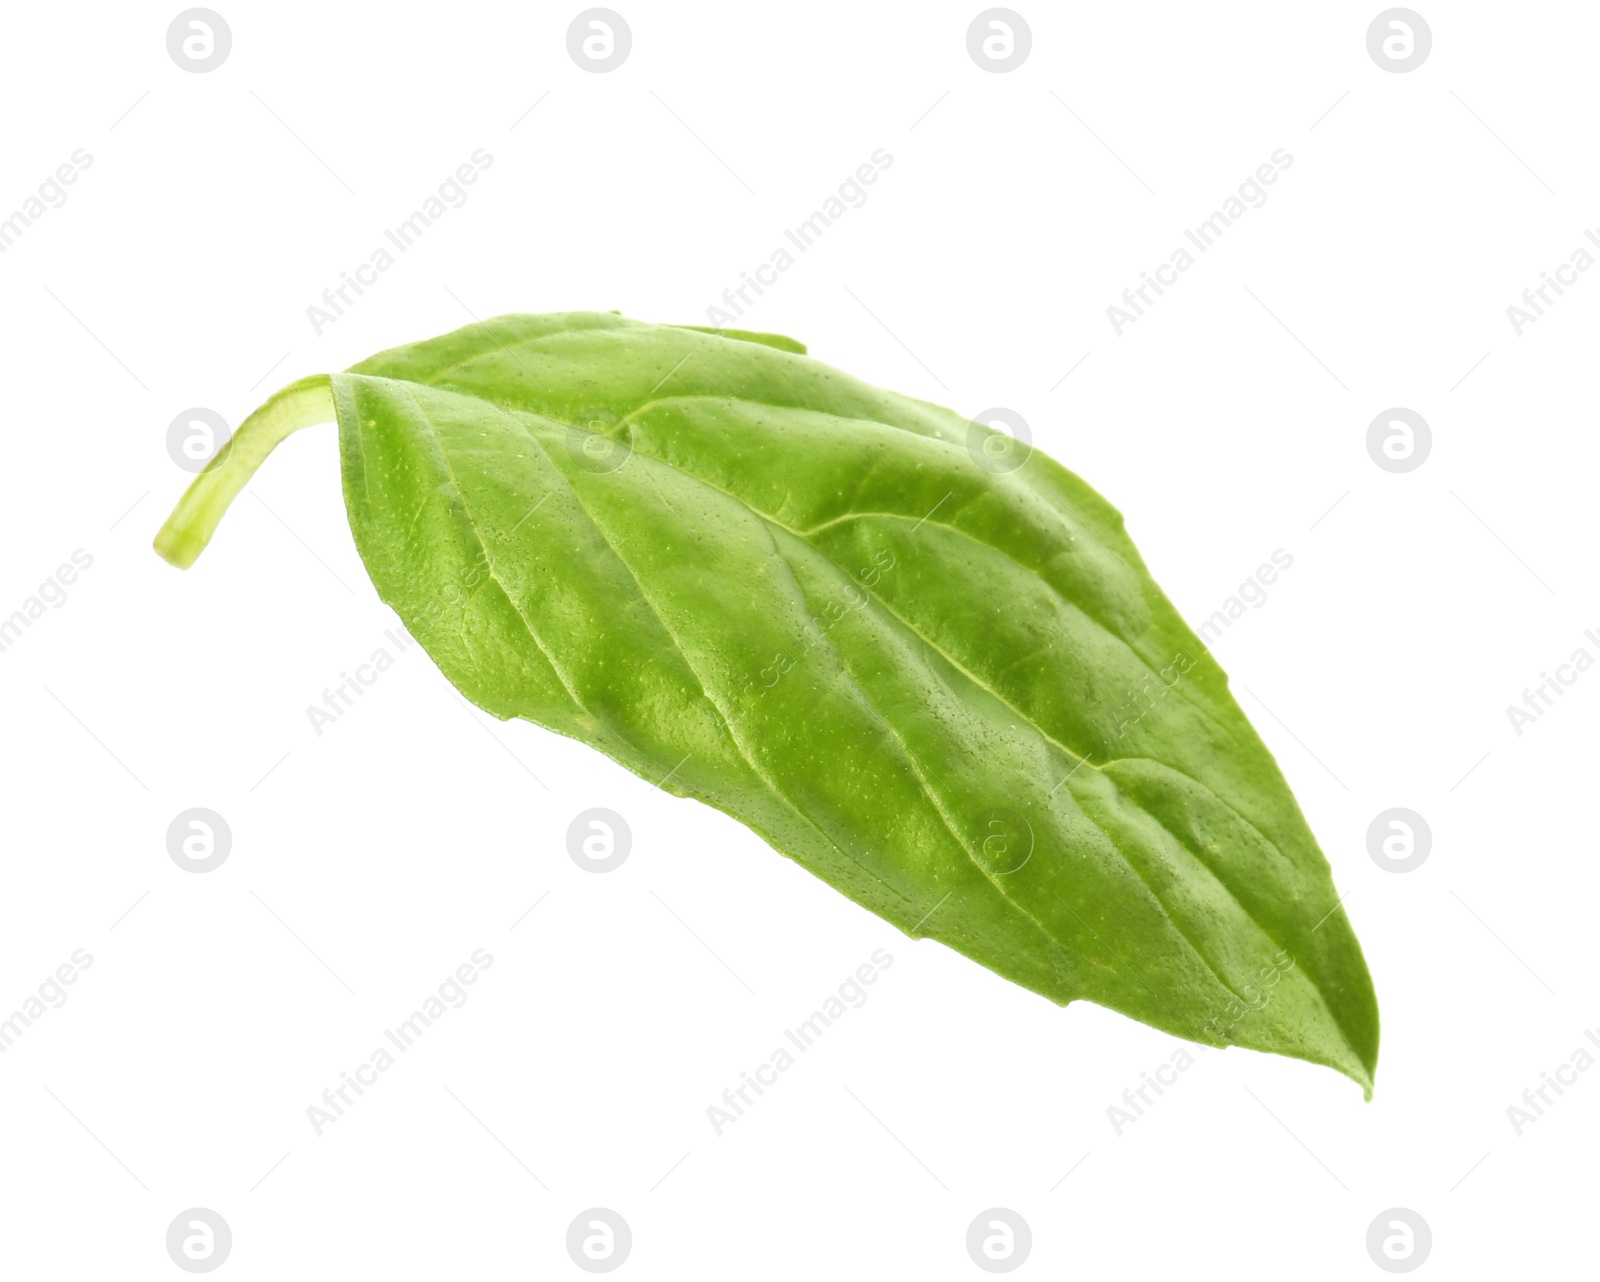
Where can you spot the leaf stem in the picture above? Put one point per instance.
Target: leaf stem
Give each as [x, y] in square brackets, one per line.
[194, 520]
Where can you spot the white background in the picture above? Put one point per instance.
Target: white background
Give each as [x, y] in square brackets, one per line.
[369, 862]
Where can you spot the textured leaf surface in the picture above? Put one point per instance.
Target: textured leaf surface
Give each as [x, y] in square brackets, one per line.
[954, 695]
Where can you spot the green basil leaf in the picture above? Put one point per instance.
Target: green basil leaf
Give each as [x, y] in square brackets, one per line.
[952, 692]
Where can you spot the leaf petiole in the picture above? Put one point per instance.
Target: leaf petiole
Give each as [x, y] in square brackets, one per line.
[192, 523]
